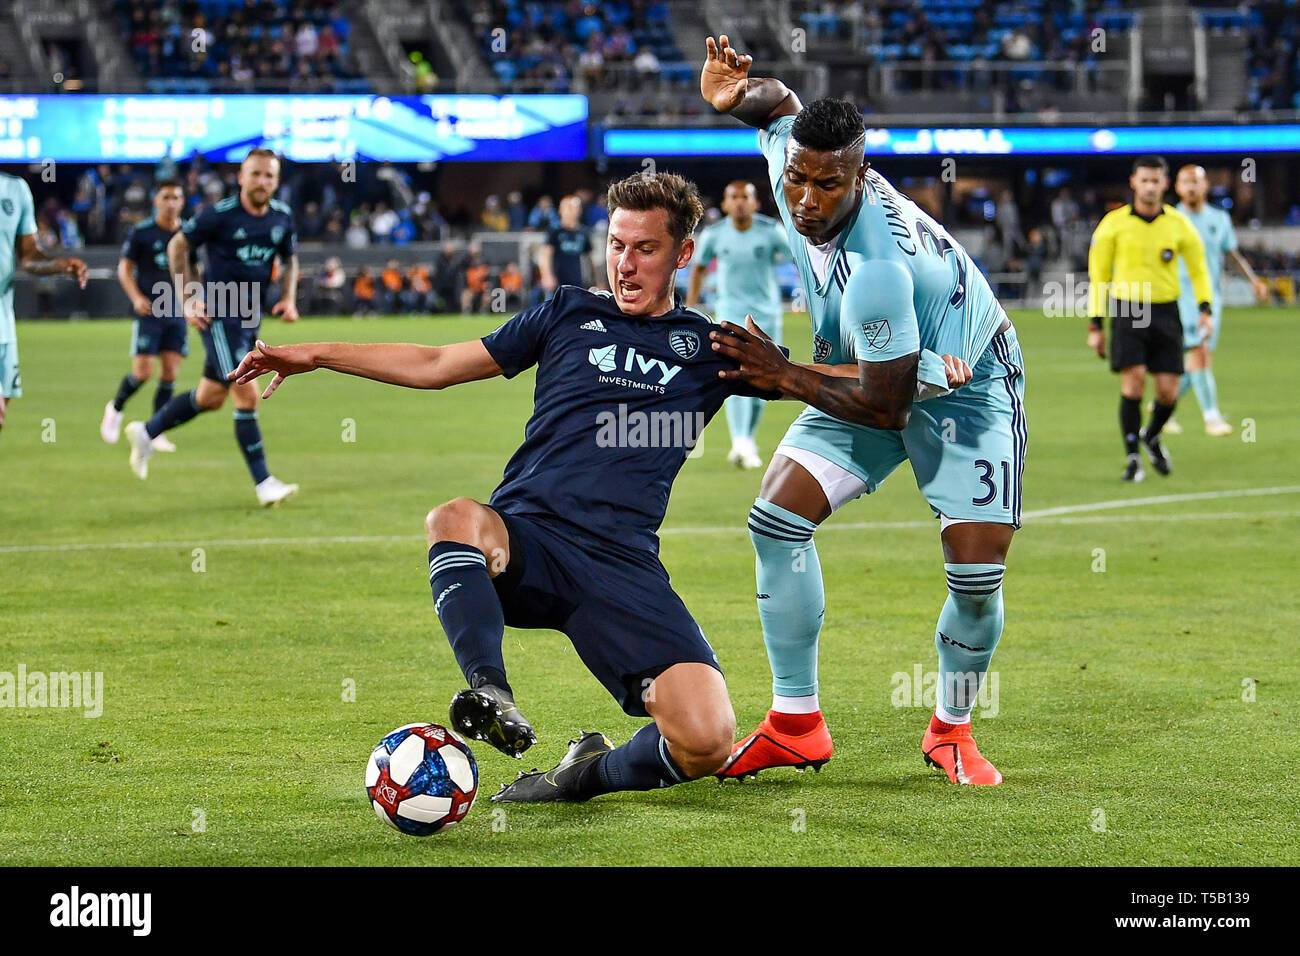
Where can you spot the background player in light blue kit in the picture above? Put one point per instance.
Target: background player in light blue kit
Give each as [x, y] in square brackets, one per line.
[1215, 228]
[887, 286]
[18, 248]
[747, 246]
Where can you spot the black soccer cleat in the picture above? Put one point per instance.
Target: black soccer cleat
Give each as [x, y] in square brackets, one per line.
[1160, 459]
[1133, 470]
[562, 784]
[489, 713]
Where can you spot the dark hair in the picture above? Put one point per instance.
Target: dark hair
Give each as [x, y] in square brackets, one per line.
[169, 183]
[1151, 162]
[667, 191]
[827, 125]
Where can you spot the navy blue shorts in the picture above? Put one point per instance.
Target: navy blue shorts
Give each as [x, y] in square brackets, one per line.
[226, 343]
[617, 607]
[149, 336]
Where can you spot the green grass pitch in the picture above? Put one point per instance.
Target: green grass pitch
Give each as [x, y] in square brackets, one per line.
[1144, 714]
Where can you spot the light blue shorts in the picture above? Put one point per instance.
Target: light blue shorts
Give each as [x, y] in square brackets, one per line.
[967, 449]
[11, 380]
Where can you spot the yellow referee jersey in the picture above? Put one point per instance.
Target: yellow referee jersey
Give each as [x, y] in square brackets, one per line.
[1130, 254]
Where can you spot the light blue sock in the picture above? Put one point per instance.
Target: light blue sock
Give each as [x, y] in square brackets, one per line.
[1206, 391]
[1184, 383]
[791, 602]
[970, 625]
[742, 416]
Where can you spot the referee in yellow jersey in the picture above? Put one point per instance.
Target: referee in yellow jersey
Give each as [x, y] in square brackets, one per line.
[1133, 276]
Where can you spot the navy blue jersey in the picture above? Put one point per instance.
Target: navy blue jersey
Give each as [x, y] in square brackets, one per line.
[570, 246]
[146, 248]
[241, 247]
[619, 402]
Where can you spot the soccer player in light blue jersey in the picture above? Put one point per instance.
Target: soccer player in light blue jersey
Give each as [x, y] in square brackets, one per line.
[887, 288]
[18, 248]
[1215, 228]
[747, 247]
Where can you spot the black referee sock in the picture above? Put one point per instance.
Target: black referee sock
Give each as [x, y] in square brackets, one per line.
[470, 611]
[1130, 422]
[1159, 415]
[129, 386]
[163, 395]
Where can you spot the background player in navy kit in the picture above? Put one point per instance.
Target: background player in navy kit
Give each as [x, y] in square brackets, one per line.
[625, 381]
[562, 259]
[242, 235]
[159, 330]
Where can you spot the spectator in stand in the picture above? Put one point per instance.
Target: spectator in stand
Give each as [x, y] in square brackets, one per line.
[357, 235]
[516, 211]
[544, 217]
[383, 222]
[474, 296]
[327, 293]
[493, 216]
[1064, 209]
[512, 283]
[393, 285]
[418, 295]
[363, 293]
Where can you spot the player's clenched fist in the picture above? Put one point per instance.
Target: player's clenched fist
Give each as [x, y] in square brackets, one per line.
[725, 75]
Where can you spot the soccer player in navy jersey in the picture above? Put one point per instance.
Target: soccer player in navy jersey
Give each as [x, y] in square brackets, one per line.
[243, 235]
[625, 382]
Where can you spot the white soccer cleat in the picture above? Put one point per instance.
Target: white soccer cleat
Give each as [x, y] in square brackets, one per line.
[1217, 426]
[272, 490]
[751, 460]
[163, 443]
[735, 455]
[110, 426]
[141, 449]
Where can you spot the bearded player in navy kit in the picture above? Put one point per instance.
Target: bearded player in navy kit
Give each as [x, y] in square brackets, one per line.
[243, 235]
[568, 540]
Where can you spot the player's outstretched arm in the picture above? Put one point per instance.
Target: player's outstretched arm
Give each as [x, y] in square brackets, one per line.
[412, 366]
[33, 259]
[726, 85]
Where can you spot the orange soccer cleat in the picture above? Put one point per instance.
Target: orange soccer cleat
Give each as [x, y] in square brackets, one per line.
[769, 747]
[953, 751]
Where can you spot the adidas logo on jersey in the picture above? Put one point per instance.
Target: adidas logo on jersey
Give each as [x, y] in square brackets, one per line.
[240, 234]
[595, 325]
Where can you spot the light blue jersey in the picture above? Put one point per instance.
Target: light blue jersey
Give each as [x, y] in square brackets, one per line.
[1214, 225]
[17, 218]
[746, 276]
[895, 282]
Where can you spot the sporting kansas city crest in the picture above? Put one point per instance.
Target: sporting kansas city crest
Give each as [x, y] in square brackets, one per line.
[821, 348]
[684, 342]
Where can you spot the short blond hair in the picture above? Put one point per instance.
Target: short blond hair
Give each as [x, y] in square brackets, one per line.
[674, 194]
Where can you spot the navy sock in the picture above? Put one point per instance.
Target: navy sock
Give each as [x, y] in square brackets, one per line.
[643, 763]
[470, 611]
[176, 412]
[1130, 422]
[249, 435]
[125, 390]
[163, 395]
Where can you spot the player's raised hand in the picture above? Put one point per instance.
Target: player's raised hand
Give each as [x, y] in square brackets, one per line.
[285, 310]
[75, 268]
[762, 364]
[283, 360]
[959, 372]
[725, 74]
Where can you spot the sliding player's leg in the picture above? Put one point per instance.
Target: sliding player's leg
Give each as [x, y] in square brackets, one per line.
[469, 546]
[821, 465]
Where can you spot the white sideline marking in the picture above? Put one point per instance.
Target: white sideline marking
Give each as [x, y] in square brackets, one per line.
[1048, 516]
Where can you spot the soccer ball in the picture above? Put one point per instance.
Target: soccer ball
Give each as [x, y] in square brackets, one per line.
[421, 778]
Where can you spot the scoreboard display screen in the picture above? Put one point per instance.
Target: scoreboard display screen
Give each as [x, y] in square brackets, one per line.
[146, 128]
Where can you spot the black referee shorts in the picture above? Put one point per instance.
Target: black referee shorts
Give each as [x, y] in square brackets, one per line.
[1154, 338]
